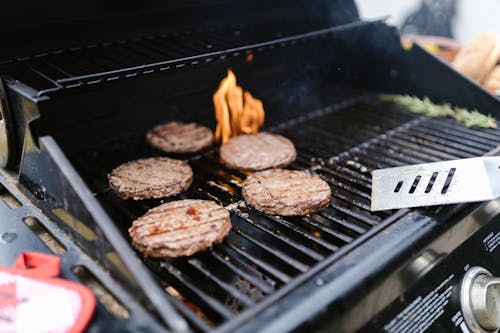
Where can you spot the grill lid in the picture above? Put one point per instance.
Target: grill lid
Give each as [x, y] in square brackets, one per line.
[32, 27]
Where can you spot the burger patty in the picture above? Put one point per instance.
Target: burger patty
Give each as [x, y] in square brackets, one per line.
[286, 192]
[178, 137]
[180, 228]
[258, 151]
[155, 177]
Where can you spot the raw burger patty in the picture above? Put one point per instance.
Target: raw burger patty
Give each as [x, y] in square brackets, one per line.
[286, 192]
[180, 228]
[177, 137]
[155, 177]
[258, 151]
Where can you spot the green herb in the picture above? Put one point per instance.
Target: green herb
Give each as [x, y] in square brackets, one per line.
[426, 107]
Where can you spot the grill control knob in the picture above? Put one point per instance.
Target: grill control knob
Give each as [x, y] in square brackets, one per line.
[480, 300]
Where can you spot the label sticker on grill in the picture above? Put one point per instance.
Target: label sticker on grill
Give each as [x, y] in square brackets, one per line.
[491, 241]
[423, 311]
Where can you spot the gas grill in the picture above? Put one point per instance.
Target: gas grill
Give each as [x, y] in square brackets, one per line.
[79, 103]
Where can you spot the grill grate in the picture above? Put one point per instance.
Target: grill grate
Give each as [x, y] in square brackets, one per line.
[264, 253]
[127, 58]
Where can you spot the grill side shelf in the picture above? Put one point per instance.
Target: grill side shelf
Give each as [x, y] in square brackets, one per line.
[65, 199]
[25, 228]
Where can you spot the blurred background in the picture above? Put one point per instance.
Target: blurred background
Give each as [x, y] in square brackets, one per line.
[458, 19]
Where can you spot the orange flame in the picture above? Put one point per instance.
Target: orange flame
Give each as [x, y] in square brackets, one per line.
[236, 112]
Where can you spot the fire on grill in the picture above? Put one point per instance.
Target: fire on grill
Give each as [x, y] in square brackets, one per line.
[236, 111]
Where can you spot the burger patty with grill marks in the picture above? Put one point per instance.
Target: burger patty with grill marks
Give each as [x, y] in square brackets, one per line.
[178, 137]
[258, 151]
[286, 192]
[180, 228]
[155, 177]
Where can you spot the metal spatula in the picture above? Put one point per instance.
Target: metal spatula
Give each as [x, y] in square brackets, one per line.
[465, 180]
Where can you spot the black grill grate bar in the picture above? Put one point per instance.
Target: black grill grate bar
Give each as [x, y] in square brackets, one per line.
[207, 44]
[112, 61]
[144, 50]
[280, 243]
[338, 135]
[229, 289]
[477, 147]
[230, 259]
[86, 67]
[370, 220]
[214, 309]
[322, 148]
[357, 230]
[210, 169]
[384, 124]
[269, 269]
[323, 139]
[321, 223]
[364, 193]
[288, 262]
[50, 71]
[285, 235]
[174, 50]
[353, 176]
[182, 44]
[210, 190]
[192, 317]
[382, 161]
[189, 48]
[484, 135]
[311, 150]
[349, 178]
[467, 139]
[460, 141]
[307, 233]
[56, 68]
[366, 118]
[229, 37]
[216, 164]
[432, 142]
[209, 284]
[347, 196]
[423, 151]
[340, 193]
[161, 50]
[391, 154]
[268, 255]
[362, 206]
[137, 56]
[355, 199]
[404, 154]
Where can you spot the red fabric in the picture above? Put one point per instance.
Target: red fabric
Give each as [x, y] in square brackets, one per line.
[8, 295]
[44, 268]
[36, 264]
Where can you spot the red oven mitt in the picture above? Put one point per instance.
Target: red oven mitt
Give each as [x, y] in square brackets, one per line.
[33, 300]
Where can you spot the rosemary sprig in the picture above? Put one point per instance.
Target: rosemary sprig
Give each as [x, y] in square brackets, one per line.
[426, 107]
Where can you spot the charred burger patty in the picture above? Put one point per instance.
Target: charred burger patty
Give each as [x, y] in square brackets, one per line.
[180, 228]
[155, 177]
[286, 192]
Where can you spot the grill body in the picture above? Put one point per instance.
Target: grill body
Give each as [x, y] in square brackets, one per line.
[74, 112]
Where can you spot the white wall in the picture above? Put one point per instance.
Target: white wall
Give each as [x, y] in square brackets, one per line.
[473, 16]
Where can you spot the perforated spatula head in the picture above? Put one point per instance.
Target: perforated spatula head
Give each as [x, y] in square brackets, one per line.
[438, 183]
